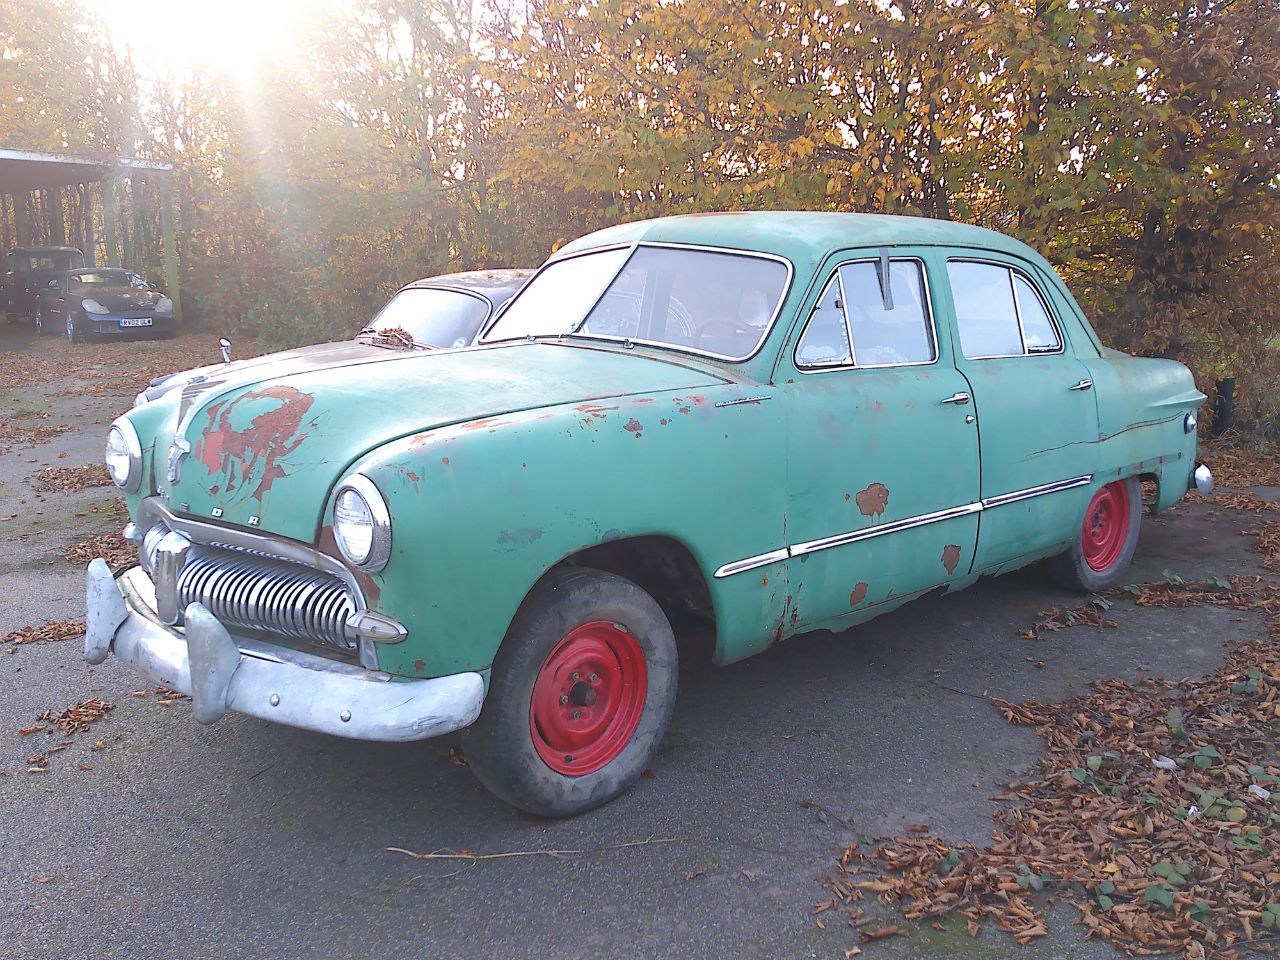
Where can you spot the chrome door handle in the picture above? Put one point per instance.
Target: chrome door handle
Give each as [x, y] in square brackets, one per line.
[957, 398]
[1083, 385]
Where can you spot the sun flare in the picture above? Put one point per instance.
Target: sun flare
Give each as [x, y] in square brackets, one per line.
[234, 36]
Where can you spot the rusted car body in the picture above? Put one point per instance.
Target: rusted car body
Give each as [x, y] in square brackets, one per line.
[771, 422]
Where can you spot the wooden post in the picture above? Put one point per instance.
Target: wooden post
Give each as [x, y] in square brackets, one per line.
[22, 218]
[170, 247]
[57, 217]
[86, 210]
[109, 222]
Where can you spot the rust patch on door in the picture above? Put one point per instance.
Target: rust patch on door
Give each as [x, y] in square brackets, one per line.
[873, 500]
[951, 557]
[254, 454]
[858, 594]
[634, 427]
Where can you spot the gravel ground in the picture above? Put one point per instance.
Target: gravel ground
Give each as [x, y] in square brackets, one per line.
[154, 836]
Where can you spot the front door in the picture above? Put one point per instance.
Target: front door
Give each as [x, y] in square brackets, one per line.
[1037, 418]
[883, 451]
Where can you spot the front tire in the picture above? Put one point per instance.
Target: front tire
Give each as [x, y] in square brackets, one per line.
[73, 330]
[1104, 545]
[39, 321]
[580, 697]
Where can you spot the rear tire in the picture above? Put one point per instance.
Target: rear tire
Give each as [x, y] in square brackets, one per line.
[1104, 544]
[580, 696]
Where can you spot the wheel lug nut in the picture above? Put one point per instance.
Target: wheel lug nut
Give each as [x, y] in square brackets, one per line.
[593, 678]
[576, 714]
[575, 675]
[563, 698]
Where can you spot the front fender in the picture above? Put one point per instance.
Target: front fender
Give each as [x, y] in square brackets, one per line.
[481, 510]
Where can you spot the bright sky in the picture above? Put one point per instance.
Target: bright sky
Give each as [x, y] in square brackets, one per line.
[172, 36]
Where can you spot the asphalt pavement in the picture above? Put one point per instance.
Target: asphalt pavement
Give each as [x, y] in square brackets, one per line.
[152, 836]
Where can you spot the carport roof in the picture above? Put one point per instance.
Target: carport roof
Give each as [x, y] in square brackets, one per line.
[24, 170]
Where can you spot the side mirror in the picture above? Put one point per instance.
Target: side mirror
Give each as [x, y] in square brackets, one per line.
[224, 348]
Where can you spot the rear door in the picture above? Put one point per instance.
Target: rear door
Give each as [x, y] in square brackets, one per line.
[881, 444]
[1037, 419]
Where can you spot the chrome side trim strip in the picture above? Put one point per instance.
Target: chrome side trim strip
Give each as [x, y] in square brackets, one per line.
[897, 526]
[1039, 491]
[734, 403]
[751, 563]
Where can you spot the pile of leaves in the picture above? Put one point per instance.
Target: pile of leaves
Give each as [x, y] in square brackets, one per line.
[79, 717]
[112, 547]
[1156, 812]
[1091, 613]
[50, 632]
[71, 479]
[1241, 465]
[12, 434]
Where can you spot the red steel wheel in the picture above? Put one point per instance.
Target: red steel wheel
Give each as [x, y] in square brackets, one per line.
[1106, 526]
[588, 698]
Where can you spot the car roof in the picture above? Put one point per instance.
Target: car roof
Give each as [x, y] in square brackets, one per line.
[47, 250]
[479, 281]
[800, 235]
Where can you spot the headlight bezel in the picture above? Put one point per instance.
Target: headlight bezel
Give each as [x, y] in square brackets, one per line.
[90, 305]
[379, 515]
[133, 451]
[163, 307]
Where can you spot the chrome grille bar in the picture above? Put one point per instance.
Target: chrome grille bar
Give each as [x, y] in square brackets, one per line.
[261, 593]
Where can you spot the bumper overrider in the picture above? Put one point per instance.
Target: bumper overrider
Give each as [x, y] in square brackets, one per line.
[221, 672]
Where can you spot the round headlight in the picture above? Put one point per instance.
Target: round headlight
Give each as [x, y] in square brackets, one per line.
[123, 456]
[361, 524]
[164, 305]
[92, 306]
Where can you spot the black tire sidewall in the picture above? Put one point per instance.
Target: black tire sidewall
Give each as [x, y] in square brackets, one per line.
[499, 745]
[1076, 573]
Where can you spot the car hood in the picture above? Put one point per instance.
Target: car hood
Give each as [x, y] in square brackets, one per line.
[265, 453]
[117, 299]
[284, 363]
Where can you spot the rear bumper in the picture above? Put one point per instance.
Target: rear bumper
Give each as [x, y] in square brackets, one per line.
[264, 680]
[1202, 479]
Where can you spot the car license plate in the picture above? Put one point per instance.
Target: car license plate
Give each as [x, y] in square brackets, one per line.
[136, 322]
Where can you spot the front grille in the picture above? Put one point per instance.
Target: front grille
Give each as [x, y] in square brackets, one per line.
[255, 592]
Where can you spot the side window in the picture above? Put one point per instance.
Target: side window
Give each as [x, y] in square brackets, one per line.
[986, 315]
[884, 337]
[998, 312]
[825, 342]
[1036, 325]
[855, 311]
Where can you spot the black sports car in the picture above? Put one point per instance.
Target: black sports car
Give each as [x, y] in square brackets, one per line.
[95, 302]
[26, 270]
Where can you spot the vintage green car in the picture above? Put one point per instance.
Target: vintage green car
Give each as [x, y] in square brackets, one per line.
[758, 424]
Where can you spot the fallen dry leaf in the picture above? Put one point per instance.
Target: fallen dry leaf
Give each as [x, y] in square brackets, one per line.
[78, 717]
[47, 633]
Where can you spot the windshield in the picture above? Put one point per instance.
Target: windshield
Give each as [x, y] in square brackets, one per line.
[701, 300]
[98, 279]
[429, 317]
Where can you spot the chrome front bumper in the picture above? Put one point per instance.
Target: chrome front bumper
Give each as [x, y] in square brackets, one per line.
[263, 680]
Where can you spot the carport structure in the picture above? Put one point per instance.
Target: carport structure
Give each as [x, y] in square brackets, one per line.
[40, 189]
